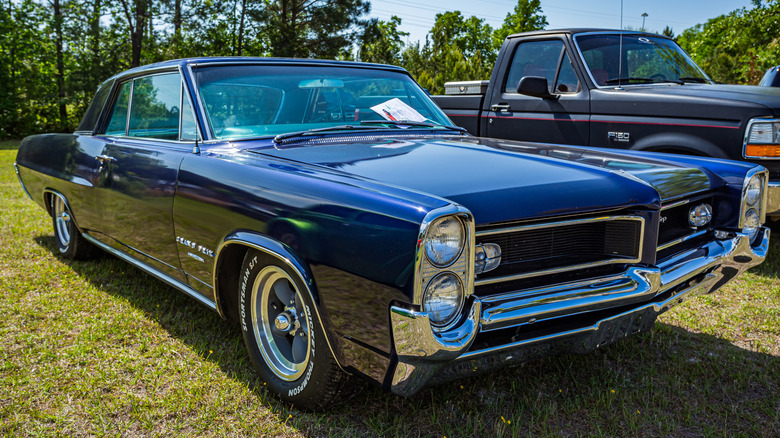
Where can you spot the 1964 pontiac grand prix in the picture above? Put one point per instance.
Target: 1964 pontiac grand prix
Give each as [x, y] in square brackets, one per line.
[332, 210]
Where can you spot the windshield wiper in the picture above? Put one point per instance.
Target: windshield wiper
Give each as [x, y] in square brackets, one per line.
[282, 137]
[696, 80]
[401, 123]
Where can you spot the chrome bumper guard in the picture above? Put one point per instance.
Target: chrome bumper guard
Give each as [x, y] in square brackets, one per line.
[426, 357]
[773, 199]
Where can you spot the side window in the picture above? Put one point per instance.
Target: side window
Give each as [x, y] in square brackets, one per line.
[189, 128]
[118, 121]
[535, 58]
[154, 112]
[90, 118]
[567, 78]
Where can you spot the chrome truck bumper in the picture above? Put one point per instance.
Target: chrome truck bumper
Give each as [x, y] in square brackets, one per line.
[773, 200]
[637, 297]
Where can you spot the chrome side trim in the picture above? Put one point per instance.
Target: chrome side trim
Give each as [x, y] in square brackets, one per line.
[154, 272]
[675, 204]
[671, 243]
[523, 275]
[282, 259]
[747, 136]
[19, 176]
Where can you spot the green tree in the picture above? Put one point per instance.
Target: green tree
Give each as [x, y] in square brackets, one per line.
[381, 42]
[526, 17]
[311, 28]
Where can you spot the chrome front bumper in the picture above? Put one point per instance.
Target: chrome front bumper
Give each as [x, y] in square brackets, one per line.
[426, 357]
[773, 200]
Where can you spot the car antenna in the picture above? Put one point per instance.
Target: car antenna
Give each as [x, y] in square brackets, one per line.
[620, 49]
[196, 148]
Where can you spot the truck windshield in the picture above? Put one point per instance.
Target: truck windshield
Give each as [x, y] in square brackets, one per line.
[638, 59]
[250, 101]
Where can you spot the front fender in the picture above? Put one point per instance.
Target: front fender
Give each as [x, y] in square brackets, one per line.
[678, 143]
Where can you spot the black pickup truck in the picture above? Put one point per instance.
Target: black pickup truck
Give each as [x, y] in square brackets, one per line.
[627, 90]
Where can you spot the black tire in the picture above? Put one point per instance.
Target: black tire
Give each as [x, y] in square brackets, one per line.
[284, 337]
[70, 243]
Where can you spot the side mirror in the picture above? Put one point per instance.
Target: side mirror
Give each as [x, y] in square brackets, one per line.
[535, 86]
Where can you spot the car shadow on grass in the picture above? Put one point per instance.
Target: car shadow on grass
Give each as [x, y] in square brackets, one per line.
[669, 381]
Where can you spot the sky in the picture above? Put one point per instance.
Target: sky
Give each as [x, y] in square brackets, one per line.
[417, 17]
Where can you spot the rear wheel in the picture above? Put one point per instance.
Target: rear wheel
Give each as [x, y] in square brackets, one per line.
[70, 243]
[283, 335]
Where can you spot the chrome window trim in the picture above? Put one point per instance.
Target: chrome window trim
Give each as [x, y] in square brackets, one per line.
[201, 108]
[761, 171]
[421, 259]
[637, 259]
[674, 242]
[751, 122]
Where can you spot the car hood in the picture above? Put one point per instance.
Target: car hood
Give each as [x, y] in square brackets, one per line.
[503, 180]
[706, 101]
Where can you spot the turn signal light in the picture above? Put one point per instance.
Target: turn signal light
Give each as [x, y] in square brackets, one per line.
[762, 150]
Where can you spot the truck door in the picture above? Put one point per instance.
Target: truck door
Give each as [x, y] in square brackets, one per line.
[561, 118]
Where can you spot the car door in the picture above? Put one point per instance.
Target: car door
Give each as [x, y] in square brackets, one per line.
[140, 167]
[563, 118]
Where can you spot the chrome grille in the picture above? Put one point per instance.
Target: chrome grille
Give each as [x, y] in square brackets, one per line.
[534, 250]
[675, 233]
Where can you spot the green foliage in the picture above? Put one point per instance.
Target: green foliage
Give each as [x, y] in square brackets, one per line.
[381, 42]
[739, 46]
[526, 17]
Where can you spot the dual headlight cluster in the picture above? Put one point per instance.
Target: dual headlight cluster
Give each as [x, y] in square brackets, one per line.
[445, 269]
[752, 212]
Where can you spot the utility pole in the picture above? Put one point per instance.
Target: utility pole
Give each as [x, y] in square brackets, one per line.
[644, 15]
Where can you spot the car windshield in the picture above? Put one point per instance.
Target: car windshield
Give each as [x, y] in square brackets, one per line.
[250, 101]
[637, 59]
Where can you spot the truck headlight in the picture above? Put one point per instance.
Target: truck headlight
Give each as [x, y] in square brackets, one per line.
[762, 139]
[444, 241]
[753, 202]
[443, 299]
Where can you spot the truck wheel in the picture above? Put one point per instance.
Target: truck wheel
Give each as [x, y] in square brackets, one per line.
[283, 335]
[70, 243]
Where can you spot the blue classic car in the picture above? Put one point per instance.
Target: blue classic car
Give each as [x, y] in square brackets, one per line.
[333, 211]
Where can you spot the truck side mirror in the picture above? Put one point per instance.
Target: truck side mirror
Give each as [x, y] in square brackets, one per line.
[535, 86]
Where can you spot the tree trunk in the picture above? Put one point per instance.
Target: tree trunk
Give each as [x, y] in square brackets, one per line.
[241, 28]
[60, 75]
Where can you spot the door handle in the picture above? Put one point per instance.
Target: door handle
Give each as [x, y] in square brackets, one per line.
[500, 107]
[105, 159]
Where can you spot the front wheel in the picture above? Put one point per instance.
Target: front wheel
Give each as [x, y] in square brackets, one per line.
[283, 335]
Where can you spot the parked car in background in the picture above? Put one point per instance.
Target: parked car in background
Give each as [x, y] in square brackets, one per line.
[333, 212]
[771, 78]
[624, 90]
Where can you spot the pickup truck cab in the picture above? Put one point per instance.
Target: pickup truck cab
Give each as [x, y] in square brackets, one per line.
[627, 90]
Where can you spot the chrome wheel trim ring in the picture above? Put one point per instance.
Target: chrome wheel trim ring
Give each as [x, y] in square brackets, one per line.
[62, 222]
[275, 349]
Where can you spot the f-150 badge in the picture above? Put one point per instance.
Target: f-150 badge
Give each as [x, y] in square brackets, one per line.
[623, 137]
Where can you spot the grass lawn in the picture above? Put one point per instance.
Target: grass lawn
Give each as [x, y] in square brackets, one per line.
[100, 348]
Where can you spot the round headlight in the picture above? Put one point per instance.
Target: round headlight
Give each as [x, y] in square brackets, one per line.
[700, 215]
[751, 224]
[444, 241]
[753, 191]
[443, 299]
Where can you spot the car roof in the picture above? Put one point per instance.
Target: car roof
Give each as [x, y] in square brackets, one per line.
[237, 60]
[574, 31]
